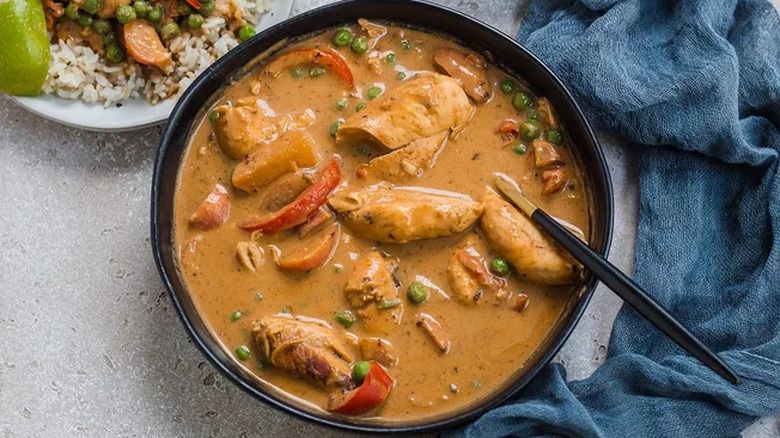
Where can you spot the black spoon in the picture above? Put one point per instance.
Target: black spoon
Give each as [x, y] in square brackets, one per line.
[620, 283]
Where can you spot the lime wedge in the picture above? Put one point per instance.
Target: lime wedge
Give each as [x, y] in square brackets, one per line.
[24, 47]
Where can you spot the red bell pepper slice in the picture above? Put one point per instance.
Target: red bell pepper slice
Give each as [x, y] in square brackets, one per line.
[326, 58]
[367, 396]
[296, 212]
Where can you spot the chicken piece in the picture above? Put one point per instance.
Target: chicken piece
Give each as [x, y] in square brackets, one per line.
[404, 215]
[509, 131]
[470, 279]
[547, 113]
[369, 287]
[419, 107]
[171, 8]
[52, 10]
[213, 211]
[250, 255]
[68, 30]
[377, 349]
[307, 347]
[435, 331]
[241, 129]
[317, 220]
[284, 190]
[554, 180]
[189, 257]
[409, 161]
[468, 70]
[545, 154]
[374, 31]
[108, 7]
[521, 303]
[535, 256]
[294, 150]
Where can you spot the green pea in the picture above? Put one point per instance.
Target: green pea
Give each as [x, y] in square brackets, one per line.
[532, 114]
[91, 6]
[115, 53]
[521, 100]
[530, 129]
[360, 370]
[359, 45]
[554, 136]
[341, 104]
[285, 309]
[141, 8]
[390, 58]
[334, 127]
[169, 30]
[507, 86]
[338, 267]
[246, 32]
[125, 14]
[206, 8]
[101, 26]
[235, 316]
[406, 45]
[316, 72]
[109, 39]
[155, 14]
[373, 93]
[388, 304]
[296, 73]
[345, 318]
[362, 150]
[85, 20]
[520, 148]
[417, 292]
[341, 38]
[499, 266]
[183, 8]
[213, 115]
[400, 76]
[243, 352]
[195, 21]
[360, 106]
[71, 11]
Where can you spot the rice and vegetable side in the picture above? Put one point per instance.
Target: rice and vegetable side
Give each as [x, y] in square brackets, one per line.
[110, 50]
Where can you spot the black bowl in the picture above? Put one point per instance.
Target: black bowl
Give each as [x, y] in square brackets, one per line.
[469, 32]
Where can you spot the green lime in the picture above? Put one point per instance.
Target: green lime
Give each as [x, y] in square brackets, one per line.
[24, 47]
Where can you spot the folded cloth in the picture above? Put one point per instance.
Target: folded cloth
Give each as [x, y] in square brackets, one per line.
[696, 86]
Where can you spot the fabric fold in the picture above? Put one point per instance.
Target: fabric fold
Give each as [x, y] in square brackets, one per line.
[695, 86]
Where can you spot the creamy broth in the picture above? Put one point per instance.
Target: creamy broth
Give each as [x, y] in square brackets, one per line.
[488, 342]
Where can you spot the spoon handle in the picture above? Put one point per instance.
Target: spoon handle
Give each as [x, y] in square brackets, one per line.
[634, 295]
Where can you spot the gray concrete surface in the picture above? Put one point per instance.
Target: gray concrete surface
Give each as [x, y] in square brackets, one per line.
[89, 342]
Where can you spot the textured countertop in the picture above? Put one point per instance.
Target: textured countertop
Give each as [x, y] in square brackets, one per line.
[90, 344]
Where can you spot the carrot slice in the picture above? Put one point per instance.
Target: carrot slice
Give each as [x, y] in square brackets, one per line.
[194, 3]
[144, 45]
[326, 58]
[313, 254]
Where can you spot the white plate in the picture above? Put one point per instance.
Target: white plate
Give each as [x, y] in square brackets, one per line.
[133, 113]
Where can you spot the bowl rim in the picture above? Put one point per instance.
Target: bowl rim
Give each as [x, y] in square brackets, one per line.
[172, 130]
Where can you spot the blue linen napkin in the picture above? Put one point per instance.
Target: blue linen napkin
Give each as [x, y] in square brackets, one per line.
[696, 85]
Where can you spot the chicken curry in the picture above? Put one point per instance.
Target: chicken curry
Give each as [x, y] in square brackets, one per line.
[337, 228]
